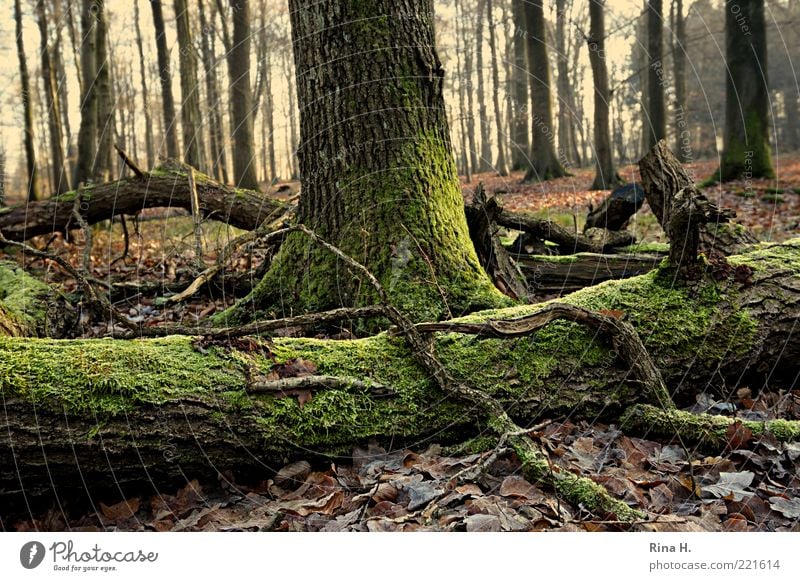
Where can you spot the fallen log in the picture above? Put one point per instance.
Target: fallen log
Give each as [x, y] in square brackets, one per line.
[100, 415]
[165, 187]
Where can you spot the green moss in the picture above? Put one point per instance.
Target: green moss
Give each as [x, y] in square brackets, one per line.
[772, 199]
[645, 247]
[23, 298]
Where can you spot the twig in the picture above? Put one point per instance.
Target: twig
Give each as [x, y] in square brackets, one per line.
[126, 238]
[129, 162]
[87, 232]
[196, 218]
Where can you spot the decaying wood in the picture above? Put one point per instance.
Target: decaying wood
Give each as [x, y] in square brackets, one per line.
[663, 177]
[593, 240]
[161, 188]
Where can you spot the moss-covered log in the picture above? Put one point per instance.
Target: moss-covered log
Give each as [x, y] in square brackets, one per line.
[100, 413]
[165, 187]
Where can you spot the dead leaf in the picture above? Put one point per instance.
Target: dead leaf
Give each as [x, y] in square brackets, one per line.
[122, 510]
[731, 485]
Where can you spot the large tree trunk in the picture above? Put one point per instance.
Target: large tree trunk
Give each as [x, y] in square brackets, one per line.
[656, 121]
[606, 176]
[379, 180]
[165, 76]
[544, 162]
[746, 150]
[138, 413]
[244, 160]
[27, 109]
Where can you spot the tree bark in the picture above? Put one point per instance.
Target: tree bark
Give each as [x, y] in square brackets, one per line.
[468, 76]
[566, 108]
[501, 166]
[656, 128]
[106, 126]
[379, 180]
[148, 129]
[27, 109]
[167, 188]
[59, 174]
[683, 137]
[746, 150]
[521, 147]
[190, 109]
[485, 162]
[606, 176]
[140, 413]
[219, 164]
[544, 162]
[165, 76]
[244, 160]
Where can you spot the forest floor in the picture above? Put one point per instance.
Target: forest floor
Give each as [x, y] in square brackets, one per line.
[753, 485]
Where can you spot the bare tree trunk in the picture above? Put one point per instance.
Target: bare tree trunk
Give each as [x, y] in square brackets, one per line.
[501, 166]
[61, 86]
[462, 110]
[27, 110]
[244, 170]
[148, 136]
[165, 76]
[87, 134]
[521, 146]
[216, 139]
[468, 75]
[485, 162]
[792, 118]
[291, 88]
[656, 118]
[683, 143]
[606, 176]
[106, 128]
[190, 108]
[566, 112]
[544, 162]
[59, 178]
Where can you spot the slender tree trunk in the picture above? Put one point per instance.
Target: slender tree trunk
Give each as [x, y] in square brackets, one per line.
[27, 110]
[791, 113]
[746, 149]
[566, 132]
[470, 87]
[606, 176]
[683, 143]
[463, 116]
[60, 179]
[485, 162]
[544, 162]
[244, 168]
[106, 128]
[216, 139]
[87, 134]
[165, 76]
[656, 76]
[385, 195]
[501, 166]
[148, 136]
[61, 86]
[190, 109]
[292, 88]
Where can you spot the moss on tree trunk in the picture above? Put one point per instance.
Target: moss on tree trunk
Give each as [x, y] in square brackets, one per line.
[146, 410]
[379, 179]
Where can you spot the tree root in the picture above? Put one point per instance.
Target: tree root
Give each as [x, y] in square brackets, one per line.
[707, 431]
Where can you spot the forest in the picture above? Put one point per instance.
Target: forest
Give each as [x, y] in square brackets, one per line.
[400, 265]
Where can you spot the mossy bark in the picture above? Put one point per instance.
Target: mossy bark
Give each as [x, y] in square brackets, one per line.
[379, 179]
[119, 412]
[28, 307]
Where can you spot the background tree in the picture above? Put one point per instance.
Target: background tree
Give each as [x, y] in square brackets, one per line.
[170, 129]
[544, 163]
[485, 162]
[190, 109]
[27, 111]
[566, 99]
[378, 176]
[682, 134]
[87, 134]
[501, 166]
[106, 126]
[656, 127]
[520, 142]
[746, 148]
[606, 176]
[148, 128]
[244, 169]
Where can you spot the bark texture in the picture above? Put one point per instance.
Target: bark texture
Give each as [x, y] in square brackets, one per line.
[27, 109]
[656, 122]
[746, 150]
[244, 160]
[165, 76]
[544, 163]
[379, 180]
[190, 109]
